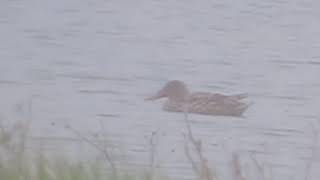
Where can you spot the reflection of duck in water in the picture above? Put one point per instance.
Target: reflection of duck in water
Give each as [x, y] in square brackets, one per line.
[180, 100]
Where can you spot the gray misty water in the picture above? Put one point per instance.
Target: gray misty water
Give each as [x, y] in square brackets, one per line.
[92, 63]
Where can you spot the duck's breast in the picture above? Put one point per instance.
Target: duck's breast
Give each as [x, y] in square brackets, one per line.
[174, 106]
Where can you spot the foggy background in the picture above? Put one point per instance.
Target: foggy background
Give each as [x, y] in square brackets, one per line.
[80, 63]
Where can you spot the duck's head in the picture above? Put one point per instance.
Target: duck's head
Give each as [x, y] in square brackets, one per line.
[174, 90]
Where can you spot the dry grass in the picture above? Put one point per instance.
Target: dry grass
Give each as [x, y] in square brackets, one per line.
[262, 171]
[197, 159]
[314, 150]
[17, 163]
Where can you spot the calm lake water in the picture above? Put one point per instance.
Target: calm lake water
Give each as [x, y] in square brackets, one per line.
[91, 63]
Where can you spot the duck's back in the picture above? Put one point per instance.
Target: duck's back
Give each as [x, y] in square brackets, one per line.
[210, 104]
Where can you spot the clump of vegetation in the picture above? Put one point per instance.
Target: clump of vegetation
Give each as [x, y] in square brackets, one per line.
[20, 163]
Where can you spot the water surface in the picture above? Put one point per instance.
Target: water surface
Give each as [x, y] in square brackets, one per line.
[83, 63]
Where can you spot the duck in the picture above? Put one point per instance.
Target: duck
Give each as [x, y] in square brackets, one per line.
[180, 99]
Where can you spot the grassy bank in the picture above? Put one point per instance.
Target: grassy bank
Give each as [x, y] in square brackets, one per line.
[20, 163]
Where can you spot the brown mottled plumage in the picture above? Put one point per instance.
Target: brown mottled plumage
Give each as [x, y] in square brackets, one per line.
[180, 100]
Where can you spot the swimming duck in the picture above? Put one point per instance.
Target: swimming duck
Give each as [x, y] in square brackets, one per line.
[181, 100]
